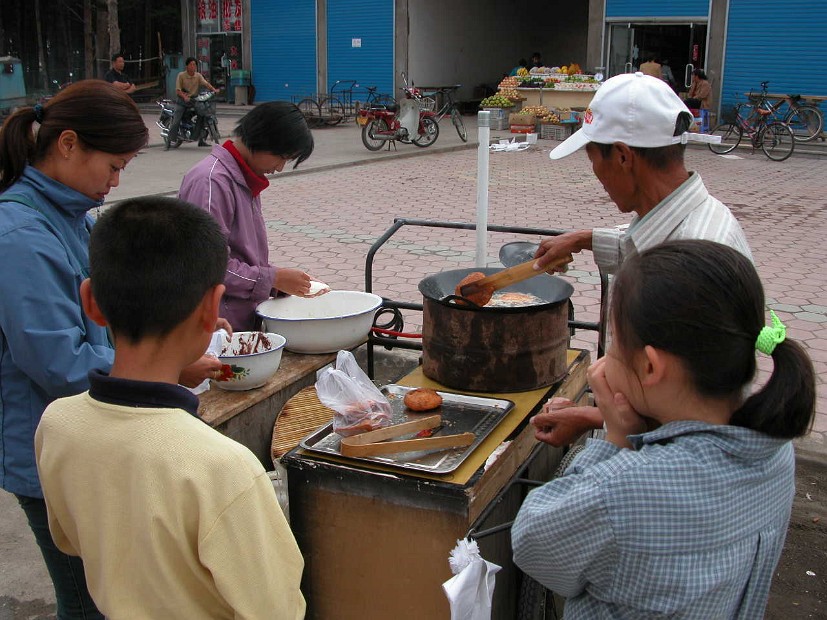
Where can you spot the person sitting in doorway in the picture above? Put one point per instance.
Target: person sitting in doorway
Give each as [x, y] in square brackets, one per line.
[699, 91]
[117, 77]
[187, 86]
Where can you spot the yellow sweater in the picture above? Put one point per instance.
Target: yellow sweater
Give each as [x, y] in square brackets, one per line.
[172, 518]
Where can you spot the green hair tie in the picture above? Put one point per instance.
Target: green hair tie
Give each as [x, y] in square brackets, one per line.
[771, 336]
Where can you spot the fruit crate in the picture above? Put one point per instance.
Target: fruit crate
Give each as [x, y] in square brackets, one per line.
[499, 118]
[551, 131]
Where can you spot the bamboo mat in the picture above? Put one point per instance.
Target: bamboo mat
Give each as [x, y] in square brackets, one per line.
[301, 415]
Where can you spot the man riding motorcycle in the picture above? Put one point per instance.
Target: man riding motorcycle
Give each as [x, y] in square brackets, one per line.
[187, 85]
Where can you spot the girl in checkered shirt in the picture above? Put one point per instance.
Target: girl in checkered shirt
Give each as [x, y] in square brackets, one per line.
[681, 511]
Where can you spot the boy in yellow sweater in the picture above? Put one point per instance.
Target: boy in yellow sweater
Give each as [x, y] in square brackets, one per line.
[172, 519]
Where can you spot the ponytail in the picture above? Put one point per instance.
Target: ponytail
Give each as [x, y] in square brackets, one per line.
[17, 146]
[784, 407]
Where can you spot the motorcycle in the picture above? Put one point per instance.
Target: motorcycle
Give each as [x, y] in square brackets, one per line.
[198, 123]
[412, 121]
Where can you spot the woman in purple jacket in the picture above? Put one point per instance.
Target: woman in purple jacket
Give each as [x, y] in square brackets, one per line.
[228, 184]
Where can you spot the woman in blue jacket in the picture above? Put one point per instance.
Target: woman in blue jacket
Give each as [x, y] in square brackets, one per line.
[48, 183]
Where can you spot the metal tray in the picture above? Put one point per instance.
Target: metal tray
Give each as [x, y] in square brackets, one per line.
[460, 413]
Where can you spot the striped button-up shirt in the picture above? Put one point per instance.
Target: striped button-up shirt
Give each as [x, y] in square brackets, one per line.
[690, 524]
[687, 213]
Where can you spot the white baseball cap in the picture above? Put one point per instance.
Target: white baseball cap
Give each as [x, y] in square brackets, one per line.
[633, 108]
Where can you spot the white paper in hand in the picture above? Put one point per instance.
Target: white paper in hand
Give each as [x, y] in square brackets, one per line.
[217, 341]
[471, 589]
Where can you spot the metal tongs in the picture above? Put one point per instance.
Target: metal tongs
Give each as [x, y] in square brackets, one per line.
[373, 442]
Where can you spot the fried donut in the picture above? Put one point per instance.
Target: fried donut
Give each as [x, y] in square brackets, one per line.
[482, 296]
[422, 399]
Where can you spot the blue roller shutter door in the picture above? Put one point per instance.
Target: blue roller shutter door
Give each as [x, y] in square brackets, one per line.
[284, 49]
[768, 41]
[657, 8]
[368, 59]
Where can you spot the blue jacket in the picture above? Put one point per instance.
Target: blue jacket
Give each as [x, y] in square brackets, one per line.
[47, 344]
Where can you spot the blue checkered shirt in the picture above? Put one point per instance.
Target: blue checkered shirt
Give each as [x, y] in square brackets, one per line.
[690, 524]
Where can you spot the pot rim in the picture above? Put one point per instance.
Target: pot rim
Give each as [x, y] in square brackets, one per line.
[377, 302]
[449, 302]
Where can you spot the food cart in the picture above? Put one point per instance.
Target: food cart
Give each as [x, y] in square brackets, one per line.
[376, 535]
[376, 538]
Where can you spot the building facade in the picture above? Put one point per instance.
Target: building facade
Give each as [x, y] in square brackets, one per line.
[295, 48]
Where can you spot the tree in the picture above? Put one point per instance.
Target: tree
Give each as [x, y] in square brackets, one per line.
[113, 27]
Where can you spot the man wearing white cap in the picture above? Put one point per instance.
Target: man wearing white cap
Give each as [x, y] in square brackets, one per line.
[635, 134]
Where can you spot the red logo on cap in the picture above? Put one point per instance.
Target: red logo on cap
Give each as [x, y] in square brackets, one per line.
[587, 118]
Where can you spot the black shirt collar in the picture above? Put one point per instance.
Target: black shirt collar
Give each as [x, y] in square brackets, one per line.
[146, 394]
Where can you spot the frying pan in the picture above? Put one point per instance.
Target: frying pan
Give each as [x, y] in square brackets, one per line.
[440, 287]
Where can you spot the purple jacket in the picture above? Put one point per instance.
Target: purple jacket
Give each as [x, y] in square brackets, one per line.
[217, 185]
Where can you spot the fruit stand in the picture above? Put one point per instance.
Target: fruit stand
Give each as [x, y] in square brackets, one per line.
[547, 96]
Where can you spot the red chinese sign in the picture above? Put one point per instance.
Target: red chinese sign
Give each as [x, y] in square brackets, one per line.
[232, 15]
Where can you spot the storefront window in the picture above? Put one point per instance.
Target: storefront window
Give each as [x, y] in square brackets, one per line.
[218, 39]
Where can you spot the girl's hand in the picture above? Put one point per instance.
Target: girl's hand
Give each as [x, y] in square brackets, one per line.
[292, 282]
[621, 419]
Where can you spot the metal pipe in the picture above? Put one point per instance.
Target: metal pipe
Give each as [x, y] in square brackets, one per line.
[484, 124]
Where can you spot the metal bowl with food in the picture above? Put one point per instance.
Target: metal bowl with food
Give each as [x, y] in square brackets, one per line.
[324, 324]
[250, 359]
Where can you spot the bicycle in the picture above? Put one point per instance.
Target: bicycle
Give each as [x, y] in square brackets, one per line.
[376, 100]
[805, 119]
[775, 138]
[450, 106]
[338, 104]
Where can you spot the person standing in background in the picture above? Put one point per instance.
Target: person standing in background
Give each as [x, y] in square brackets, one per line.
[651, 67]
[117, 77]
[521, 64]
[536, 60]
[667, 75]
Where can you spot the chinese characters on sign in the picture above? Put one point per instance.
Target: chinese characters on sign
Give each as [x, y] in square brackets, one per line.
[231, 15]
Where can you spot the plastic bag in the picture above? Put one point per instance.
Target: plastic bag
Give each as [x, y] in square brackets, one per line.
[359, 405]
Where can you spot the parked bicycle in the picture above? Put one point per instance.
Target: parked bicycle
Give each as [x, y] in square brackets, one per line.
[340, 103]
[805, 119]
[374, 99]
[774, 137]
[449, 106]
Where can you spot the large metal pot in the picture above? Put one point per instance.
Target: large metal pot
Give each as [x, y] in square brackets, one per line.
[495, 349]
